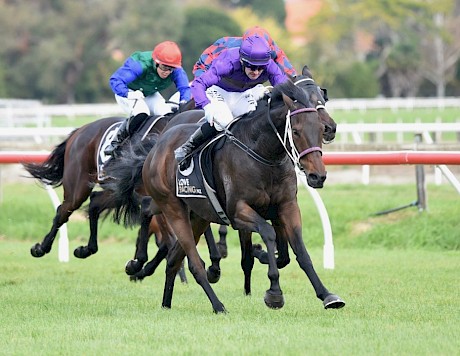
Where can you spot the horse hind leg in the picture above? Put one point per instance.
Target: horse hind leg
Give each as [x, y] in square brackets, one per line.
[152, 265]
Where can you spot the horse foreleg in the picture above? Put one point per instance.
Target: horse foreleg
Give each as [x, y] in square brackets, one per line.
[141, 255]
[213, 271]
[222, 243]
[40, 249]
[247, 259]
[290, 218]
[98, 202]
[62, 216]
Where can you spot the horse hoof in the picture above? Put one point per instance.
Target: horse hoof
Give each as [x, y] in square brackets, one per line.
[333, 301]
[37, 250]
[213, 275]
[220, 309]
[136, 278]
[82, 252]
[274, 301]
[132, 267]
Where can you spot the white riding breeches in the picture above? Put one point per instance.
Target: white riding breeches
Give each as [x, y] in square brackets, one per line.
[153, 104]
[229, 105]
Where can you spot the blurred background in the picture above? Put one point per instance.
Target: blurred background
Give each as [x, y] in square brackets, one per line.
[64, 51]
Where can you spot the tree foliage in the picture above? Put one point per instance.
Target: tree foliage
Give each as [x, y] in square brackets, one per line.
[404, 34]
[65, 51]
[208, 25]
[274, 9]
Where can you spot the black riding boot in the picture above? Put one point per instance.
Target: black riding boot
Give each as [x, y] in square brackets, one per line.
[119, 137]
[200, 136]
[127, 129]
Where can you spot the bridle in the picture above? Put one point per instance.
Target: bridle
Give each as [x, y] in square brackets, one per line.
[294, 155]
[320, 103]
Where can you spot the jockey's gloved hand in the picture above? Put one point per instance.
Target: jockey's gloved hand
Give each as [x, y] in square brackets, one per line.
[209, 113]
[181, 105]
[135, 95]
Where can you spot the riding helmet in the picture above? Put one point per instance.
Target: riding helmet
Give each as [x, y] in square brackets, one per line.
[167, 53]
[255, 51]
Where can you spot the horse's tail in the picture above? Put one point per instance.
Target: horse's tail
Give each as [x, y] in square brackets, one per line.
[126, 172]
[52, 170]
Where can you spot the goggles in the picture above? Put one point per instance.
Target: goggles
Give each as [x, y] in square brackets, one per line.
[165, 68]
[253, 67]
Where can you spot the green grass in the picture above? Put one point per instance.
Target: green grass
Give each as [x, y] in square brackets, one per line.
[398, 303]
[26, 214]
[398, 274]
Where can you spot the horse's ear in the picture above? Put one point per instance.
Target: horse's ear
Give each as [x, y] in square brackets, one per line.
[306, 71]
[288, 101]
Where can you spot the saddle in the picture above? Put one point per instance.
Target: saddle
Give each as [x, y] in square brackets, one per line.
[197, 181]
[108, 136]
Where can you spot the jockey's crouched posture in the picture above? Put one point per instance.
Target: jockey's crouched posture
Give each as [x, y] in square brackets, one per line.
[231, 88]
[137, 84]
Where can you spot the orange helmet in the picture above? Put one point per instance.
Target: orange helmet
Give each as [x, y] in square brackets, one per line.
[167, 53]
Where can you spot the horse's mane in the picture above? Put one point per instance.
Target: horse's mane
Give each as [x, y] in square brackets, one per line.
[291, 90]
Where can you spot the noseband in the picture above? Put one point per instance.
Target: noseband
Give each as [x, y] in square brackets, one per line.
[308, 150]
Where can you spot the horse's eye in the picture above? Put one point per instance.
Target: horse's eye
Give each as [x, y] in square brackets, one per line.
[295, 132]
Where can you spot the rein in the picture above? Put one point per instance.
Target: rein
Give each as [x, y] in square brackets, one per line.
[253, 153]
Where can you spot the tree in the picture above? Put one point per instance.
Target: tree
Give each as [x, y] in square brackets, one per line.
[274, 9]
[208, 25]
[441, 48]
[399, 29]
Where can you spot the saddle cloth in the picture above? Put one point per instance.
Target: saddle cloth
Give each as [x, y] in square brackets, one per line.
[107, 138]
[196, 181]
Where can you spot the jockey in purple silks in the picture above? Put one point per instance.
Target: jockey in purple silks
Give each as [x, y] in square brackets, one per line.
[213, 51]
[137, 85]
[231, 88]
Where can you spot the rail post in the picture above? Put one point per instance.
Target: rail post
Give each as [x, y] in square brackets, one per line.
[420, 179]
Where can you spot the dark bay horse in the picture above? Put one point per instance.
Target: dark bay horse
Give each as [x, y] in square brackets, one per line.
[254, 181]
[73, 164]
[317, 97]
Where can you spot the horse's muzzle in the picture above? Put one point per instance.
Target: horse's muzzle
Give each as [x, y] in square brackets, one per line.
[316, 180]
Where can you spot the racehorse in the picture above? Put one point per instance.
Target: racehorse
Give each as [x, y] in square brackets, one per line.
[254, 181]
[74, 165]
[317, 97]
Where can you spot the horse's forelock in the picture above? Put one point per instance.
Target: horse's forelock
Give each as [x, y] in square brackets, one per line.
[291, 90]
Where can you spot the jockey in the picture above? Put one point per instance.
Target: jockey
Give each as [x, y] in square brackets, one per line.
[137, 85]
[213, 51]
[231, 88]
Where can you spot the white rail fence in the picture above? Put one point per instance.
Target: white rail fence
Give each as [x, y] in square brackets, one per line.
[15, 112]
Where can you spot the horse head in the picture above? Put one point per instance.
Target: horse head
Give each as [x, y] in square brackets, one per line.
[302, 129]
[318, 98]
